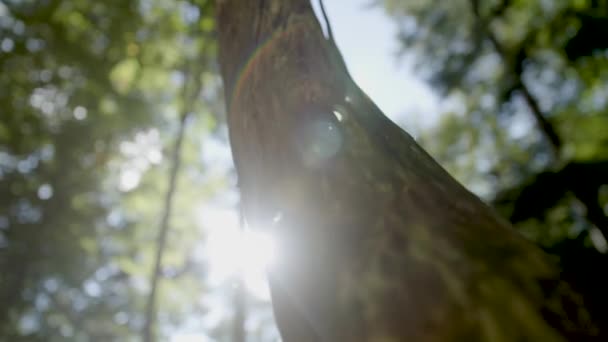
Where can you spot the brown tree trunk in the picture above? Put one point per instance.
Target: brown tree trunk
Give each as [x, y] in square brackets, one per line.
[377, 241]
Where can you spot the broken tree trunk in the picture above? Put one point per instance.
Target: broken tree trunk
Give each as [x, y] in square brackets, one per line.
[377, 241]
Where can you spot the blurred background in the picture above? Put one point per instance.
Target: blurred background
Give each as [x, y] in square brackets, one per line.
[113, 147]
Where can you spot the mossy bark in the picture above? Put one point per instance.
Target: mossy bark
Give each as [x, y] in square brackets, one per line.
[377, 241]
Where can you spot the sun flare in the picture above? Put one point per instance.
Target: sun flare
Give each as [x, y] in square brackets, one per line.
[233, 252]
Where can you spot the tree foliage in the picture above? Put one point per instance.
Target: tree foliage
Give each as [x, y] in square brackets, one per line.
[504, 58]
[91, 95]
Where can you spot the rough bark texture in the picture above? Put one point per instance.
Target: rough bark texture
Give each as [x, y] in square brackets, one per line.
[378, 242]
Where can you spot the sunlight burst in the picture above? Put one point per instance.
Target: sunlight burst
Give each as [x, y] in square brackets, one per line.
[235, 252]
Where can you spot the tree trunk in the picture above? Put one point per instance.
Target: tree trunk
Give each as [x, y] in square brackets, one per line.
[377, 241]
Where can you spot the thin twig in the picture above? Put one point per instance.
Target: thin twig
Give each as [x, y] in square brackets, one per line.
[330, 32]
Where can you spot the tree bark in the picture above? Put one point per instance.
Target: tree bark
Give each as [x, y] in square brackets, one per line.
[377, 241]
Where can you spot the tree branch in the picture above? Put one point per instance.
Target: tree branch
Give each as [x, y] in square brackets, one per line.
[587, 199]
[148, 334]
[545, 127]
[378, 242]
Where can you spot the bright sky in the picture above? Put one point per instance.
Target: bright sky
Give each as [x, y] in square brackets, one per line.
[367, 38]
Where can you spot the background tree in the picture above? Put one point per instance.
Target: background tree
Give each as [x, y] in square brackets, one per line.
[91, 95]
